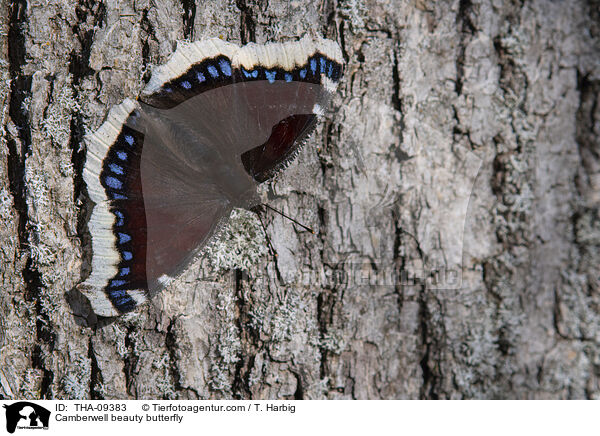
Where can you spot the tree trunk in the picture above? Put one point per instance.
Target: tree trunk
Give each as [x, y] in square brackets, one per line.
[454, 188]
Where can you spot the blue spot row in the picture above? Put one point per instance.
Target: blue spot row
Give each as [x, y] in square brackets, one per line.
[222, 66]
[121, 300]
[114, 180]
[316, 66]
[123, 239]
[115, 170]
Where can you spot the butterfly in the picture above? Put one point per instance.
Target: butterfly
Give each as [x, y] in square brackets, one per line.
[166, 170]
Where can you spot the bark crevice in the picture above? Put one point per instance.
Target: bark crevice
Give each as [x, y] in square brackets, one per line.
[247, 22]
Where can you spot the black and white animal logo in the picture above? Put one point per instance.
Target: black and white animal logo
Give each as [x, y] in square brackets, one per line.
[26, 415]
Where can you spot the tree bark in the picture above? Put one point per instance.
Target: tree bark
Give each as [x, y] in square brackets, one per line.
[454, 188]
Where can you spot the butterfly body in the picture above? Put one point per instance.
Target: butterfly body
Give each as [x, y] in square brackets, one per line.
[166, 171]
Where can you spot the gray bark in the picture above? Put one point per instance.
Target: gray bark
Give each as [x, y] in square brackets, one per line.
[462, 154]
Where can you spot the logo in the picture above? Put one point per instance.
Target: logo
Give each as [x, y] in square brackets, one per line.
[26, 415]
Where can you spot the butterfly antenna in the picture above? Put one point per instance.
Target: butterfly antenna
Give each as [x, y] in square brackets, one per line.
[271, 249]
[289, 218]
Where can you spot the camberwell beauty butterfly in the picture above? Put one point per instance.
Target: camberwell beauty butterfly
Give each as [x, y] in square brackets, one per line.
[166, 170]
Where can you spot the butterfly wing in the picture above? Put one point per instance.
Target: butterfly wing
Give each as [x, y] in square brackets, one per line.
[165, 172]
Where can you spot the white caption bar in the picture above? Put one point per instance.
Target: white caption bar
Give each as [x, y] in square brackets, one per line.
[151, 417]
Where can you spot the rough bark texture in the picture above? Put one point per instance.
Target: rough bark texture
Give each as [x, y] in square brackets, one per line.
[480, 116]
